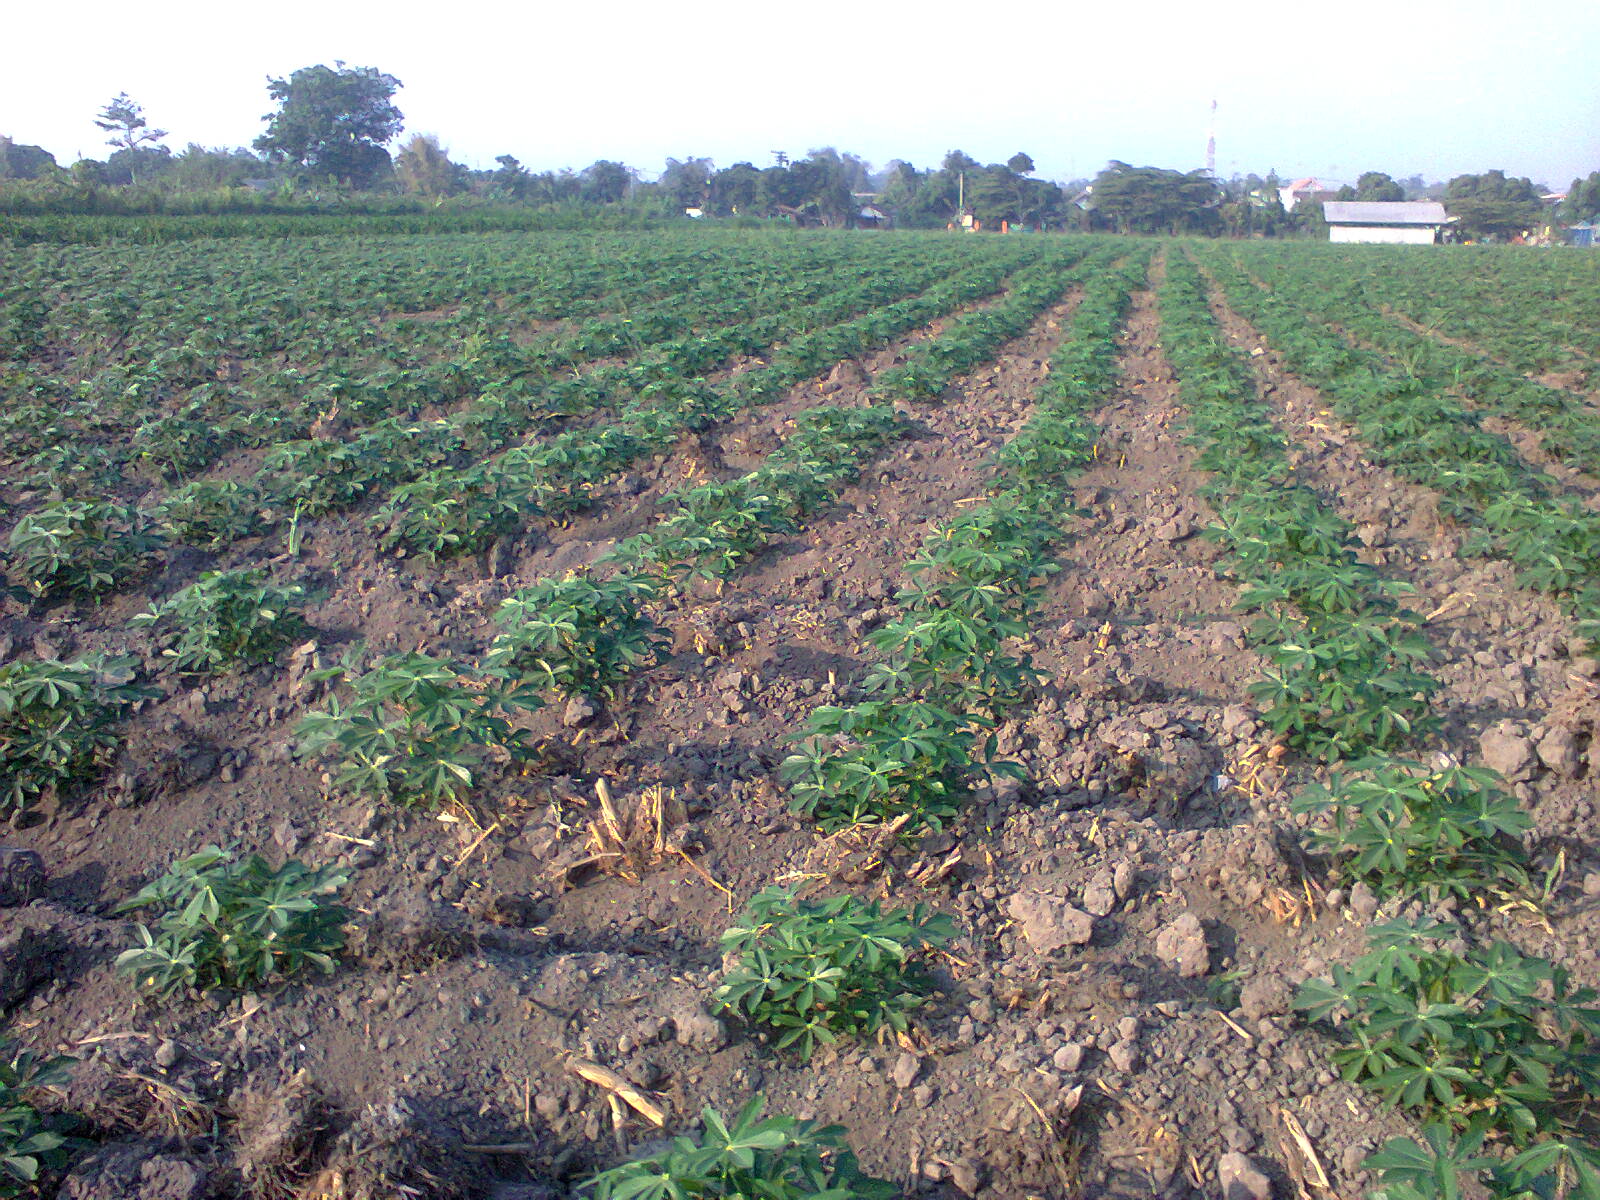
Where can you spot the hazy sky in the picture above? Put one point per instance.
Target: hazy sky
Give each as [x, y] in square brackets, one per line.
[1328, 88]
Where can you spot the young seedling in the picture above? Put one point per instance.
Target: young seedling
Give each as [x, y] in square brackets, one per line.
[874, 761]
[577, 636]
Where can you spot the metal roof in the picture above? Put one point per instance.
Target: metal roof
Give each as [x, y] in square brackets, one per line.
[1384, 212]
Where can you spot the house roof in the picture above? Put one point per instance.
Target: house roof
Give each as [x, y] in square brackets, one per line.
[1383, 212]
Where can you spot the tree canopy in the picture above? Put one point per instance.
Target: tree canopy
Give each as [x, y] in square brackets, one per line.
[1492, 205]
[333, 122]
[1583, 199]
[1156, 200]
[23, 162]
[1373, 185]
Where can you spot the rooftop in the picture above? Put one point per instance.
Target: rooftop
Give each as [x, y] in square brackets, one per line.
[1384, 212]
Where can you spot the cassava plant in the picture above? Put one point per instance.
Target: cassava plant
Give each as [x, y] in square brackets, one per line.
[750, 1157]
[1404, 828]
[235, 923]
[416, 729]
[578, 636]
[816, 971]
[211, 513]
[30, 1142]
[226, 617]
[871, 762]
[80, 548]
[56, 723]
[1496, 1049]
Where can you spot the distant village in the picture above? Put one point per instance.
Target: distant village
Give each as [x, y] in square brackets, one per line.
[328, 149]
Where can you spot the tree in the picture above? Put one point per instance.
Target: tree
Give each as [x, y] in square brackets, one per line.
[688, 182]
[739, 191]
[197, 168]
[24, 162]
[1156, 200]
[958, 160]
[423, 166]
[124, 120]
[512, 181]
[1583, 200]
[1020, 164]
[1491, 205]
[606, 182]
[144, 164]
[1375, 185]
[333, 122]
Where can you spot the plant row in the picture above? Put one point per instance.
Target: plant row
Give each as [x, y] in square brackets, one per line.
[714, 528]
[1490, 1047]
[1424, 435]
[171, 408]
[506, 395]
[1345, 658]
[90, 547]
[1535, 312]
[1569, 429]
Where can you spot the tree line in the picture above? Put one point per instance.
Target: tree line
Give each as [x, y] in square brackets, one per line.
[327, 143]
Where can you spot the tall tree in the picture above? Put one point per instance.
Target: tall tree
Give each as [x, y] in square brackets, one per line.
[606, 182]
[123, 119]
[688, 181]
[958, 160]
[740, 190]
[1020, 163]
[513, 180]
[18, 161]
[333, 122]
[1583, 200]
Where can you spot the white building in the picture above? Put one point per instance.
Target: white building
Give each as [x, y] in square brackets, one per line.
[1408, 222]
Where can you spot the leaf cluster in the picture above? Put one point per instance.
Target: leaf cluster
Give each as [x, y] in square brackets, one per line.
[211, 513]
[449, 512]
[872, 762]
[235, 923]
[1405, 828]
[1488, 1041]
[29, 1141]
[815, 971]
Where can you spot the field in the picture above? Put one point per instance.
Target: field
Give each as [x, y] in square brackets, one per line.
[1090, 717]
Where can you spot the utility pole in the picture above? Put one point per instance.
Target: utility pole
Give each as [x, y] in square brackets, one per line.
[781, 158]
[961, 190]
